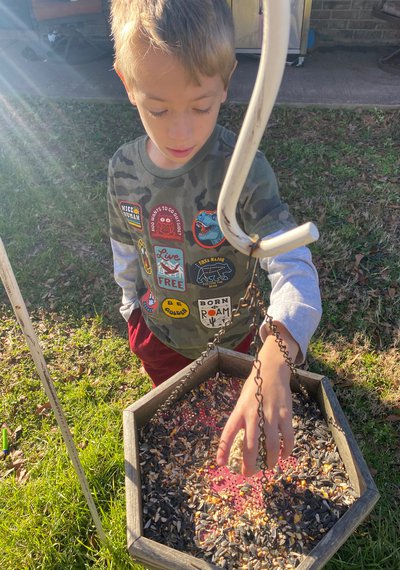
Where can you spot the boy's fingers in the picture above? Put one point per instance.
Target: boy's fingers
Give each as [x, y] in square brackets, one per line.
[287, 433]
[250, 451]
[225, 443]
[273, 446]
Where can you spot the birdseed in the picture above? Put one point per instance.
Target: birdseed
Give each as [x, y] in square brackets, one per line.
[212, 513]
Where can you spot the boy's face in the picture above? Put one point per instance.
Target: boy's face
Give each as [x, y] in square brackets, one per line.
[178, 115]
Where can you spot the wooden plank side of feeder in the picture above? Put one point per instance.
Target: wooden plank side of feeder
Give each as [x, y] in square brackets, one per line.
[157, 556]
[340, 532]
[359, 475]
[145, 407]
[356, 467]
[234, 363]
[133, 489]
[239, 365]
[309, 380]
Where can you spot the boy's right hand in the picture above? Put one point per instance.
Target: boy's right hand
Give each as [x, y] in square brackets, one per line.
[277, 405]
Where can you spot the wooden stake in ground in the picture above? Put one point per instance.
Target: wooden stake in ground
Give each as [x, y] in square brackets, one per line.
[18, 304]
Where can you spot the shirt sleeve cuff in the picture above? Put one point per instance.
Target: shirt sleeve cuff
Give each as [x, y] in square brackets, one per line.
[293, 319]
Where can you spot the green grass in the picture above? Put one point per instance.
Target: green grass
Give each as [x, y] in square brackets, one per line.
[338, 168]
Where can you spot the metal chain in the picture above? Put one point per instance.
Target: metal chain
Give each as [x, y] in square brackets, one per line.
[254, 302]
[258, 310]
[259, 302]
[244, 302]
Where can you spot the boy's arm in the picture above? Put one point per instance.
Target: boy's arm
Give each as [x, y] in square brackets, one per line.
[125, 257]
[125, 267]
[295, 299]
[296, 310]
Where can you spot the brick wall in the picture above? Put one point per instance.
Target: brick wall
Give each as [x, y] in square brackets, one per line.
[351, 22]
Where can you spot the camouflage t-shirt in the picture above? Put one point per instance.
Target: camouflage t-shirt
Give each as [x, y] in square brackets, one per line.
[188, 277]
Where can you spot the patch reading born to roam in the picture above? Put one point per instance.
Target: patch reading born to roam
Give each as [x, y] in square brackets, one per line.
[212, 271]
[133, 213]
[166, 223]
[175, 308]
[148, 301]
[144, 257]
[206, 230]
[214, 312]
[170, 268]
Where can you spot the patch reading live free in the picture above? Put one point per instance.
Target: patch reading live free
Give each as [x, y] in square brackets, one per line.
[170, 268]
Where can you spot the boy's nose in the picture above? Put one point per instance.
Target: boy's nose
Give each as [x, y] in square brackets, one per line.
[181, 128]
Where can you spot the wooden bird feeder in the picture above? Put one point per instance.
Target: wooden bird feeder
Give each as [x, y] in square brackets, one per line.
[155, 555]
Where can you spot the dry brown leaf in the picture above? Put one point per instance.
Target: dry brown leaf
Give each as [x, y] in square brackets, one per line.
[356, 357]
[69, 378]
[16, 464]
[16, 453]
[345, 383]
[42, 408]
[393, 418]
[22, 476]
[359, 257]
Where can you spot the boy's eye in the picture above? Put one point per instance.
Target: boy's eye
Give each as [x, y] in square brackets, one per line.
[202, 111]
[157, 113]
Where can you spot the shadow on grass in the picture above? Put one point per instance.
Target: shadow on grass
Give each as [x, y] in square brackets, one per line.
[377, 438]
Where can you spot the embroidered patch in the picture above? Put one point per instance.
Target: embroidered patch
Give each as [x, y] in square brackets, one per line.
[214, 312]
[175, 308]
[170, 268]
[133, 213]
[206, 230]
[166, 223]
[141, 246]
[212, 271]
[148, 301]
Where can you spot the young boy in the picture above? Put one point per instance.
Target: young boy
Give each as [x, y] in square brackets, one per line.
[179, 276]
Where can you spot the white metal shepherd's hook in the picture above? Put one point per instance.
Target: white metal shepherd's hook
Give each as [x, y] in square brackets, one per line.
[276, 26]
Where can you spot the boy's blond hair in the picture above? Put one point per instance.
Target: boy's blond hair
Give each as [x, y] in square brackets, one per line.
[199, 33]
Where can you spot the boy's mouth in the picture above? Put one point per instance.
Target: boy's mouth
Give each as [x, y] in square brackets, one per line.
[180, 152]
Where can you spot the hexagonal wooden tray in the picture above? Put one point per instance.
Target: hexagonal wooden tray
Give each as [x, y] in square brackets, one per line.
[157, 556]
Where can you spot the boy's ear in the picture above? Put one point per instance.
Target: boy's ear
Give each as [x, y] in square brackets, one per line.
[229, 80]
[234, 67]
[233, 70]
[128, 91]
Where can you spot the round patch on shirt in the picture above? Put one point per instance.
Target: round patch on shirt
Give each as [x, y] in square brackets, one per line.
[144, 257]
[214, 312]
[212, 272]
[166, 223]
[148, 301]
[206, 230]
[175, 308]
[133, 213]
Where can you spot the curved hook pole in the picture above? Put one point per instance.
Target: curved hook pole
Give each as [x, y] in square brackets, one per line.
[272, 63]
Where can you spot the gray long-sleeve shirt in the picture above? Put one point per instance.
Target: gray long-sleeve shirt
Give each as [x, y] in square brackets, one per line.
[172, 260]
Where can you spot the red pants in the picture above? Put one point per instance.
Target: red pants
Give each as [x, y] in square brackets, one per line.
[159, 361]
